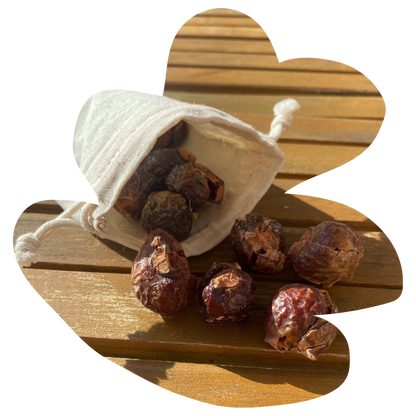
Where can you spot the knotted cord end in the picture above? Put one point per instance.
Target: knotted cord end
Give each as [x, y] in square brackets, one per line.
[26, 249]
[27, 245]
[283, 112]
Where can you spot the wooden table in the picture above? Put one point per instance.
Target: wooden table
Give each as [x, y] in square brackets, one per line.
[224, 59]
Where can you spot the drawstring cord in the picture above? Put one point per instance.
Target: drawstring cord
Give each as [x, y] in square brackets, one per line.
[283, 117]
[90, 223]
[28, 244]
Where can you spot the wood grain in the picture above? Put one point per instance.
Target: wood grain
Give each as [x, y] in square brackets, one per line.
[172, 350]
[224, 59]
[222, 32]
[213, 55]
[221, 12]
[222, 45]
[222, 21]
[316, 106]
[74, 249]
[232, 388]
[272, 80]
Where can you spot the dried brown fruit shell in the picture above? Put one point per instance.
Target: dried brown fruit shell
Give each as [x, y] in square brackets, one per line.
[226, 294]
[149, 177]
[327, 253]
[135, 192]
[160, 162]
[161, 277]
[259, 243]
[168, 211]
[173, 137]
[179, 134]
[290, 322]
[197, 184]
[317, 339]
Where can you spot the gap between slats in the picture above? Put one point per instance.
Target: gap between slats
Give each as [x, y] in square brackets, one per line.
[235, 387]
[126, 270]
[236, 102]
[367, 224]
[247, 79]
[221, 357]
[65, 250]
[233, 60]
[222, 21]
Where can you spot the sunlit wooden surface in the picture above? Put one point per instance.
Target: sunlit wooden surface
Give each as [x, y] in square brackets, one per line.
[224, 59]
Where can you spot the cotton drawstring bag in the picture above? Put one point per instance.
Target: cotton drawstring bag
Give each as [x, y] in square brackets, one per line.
[116, 129]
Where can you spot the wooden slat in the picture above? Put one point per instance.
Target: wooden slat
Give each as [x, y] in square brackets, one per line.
[290, 210]
[221, 12]
[84, 313]
[69, 246]
[323, 106]
[247, 47]
[45, 207]
[72, 248]
[219, 59]
[335, 131]
[102, 310]
[222, 21]
[102, 306]
[222, 60]
[319, 159]
[222, 32]
[222, 45]
[283, 80]
[48, 200]
[298, 210]
[217, 355]
[234, 386]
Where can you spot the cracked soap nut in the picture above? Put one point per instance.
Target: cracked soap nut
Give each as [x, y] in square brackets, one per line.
[135, 192]
[226, 293]
[258, 242]
[149, 177]
[173, 137]
[290, 324]
[197, 184]
[168, 211]
[160, 162]
[161, 276]
[329, 252]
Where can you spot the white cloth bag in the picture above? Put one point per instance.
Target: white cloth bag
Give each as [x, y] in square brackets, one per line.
[116, 129]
